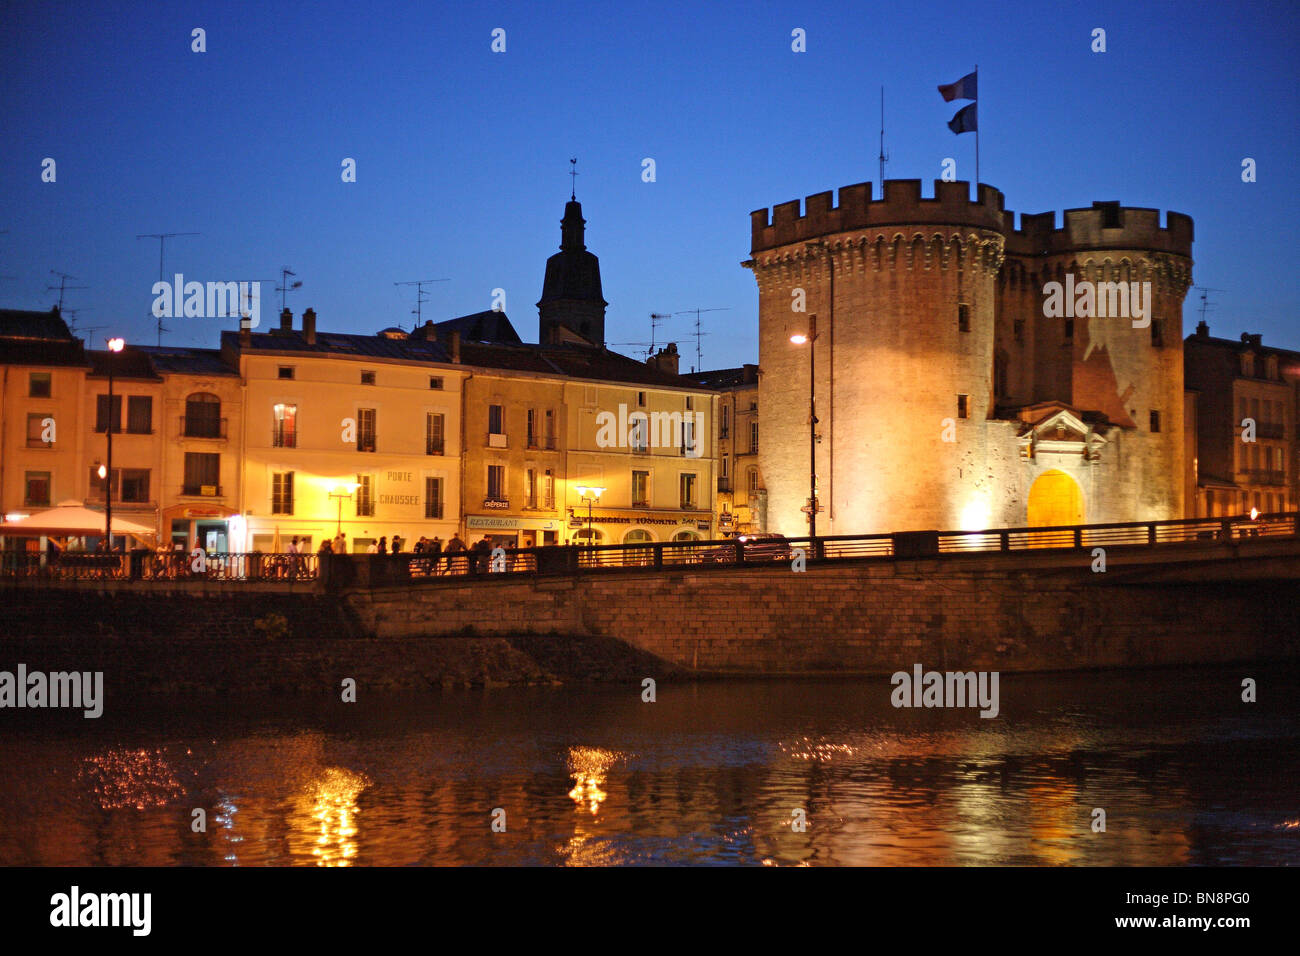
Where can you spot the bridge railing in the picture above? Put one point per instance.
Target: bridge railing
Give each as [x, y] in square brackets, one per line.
[341, 570]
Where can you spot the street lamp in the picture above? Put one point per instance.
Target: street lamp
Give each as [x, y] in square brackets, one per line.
[590, 495]
[810, 339]
[343, 492]
[106, 471]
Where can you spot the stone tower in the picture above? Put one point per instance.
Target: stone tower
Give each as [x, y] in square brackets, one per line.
[943, 392]
[572, 307]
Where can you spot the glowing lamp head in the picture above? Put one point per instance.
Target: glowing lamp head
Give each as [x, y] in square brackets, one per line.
[1254, 513]
[799, 338]
[116, 345]
[102, 472]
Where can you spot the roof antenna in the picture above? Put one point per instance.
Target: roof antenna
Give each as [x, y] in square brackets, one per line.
[656, 318]
[699, 357]
[162, 238]
[285, 287]
[419, 297]
[884, 157]
[573, 183]
[1205, 298]
[63, 286]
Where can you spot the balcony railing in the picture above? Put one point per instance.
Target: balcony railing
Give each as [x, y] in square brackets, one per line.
[1268, 430]
[434, 447]
[724, 485]
[1264, 476]
[202, 491]
[283, 437]
[203, 427]
[541, 443]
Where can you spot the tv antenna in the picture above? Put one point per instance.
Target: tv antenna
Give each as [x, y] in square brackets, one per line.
[656, 319]
[1205, 291]
[245, 308]
[63, 286]
[285, 287]
[419, 296]
[884, 156]
[162, 238]
[699, 354]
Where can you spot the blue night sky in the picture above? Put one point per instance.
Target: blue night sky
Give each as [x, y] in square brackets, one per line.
[462, 154]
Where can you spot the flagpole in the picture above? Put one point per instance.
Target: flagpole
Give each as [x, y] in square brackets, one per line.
[977, 136]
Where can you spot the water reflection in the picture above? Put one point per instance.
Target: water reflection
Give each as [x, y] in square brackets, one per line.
[710, 774]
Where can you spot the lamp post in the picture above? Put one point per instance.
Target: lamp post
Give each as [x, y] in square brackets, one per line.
[114, 345]
[590, 495]
[343, 492]
[810, 339]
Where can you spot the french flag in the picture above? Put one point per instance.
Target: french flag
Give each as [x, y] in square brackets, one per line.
[963, 89]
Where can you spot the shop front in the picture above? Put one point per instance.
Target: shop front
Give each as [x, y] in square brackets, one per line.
[637, 527]
[512, 531]
[214, 528]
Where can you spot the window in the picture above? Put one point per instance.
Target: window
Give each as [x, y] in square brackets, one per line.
[139, 414]
[102, 405]
[532, 428]
[202, 416]
[38, 385]
[496, 420]
[1069, 331]
[1272, 367]
[36, 430]
[435, 382]
[550, 428]
[1155, 420]
[640, 489]
[530, 488]
[640, 399]
[690, 403]
[36, 488]
[726, 422]
[1157, 333]
[963, 406]
[433, 433]
[202, 474]
[365, 497]
[753, 437]
[751, 482]
[963, 318]
[688, 490]
[688, 438]
[640, 434]
[135, 485]
[97, 483]
[282, 493]
[548, 489]
[367, 378]
[433, 497]
[365, 429]
[724, 466]
[496, 485]
[284, 428]
[286, 371]
[1018, 329]
[1000, 375]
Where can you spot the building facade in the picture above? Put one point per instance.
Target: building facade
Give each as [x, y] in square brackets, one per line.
[742, 499]
[954, 388]
[1247, 402]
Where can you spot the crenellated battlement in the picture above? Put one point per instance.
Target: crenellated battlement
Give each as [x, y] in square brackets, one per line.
[1106, 225]
[902, 203]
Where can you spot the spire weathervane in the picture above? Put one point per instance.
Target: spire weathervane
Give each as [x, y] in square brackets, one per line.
[573, 184]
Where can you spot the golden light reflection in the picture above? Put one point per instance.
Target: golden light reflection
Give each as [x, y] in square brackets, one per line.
[333, 813]
[131, 778]
[805, 748]
[589, 766]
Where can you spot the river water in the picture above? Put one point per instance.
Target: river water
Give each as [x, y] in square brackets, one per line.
[709, 773]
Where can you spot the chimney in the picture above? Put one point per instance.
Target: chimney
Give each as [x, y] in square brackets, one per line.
[665, 360]
[749, 374]
[1202, 330]
[286, 320]
[309, 326]
[455, 347]
[245, 332]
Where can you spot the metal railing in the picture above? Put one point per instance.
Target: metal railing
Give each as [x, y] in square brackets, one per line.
[390, 569]
[201, 427]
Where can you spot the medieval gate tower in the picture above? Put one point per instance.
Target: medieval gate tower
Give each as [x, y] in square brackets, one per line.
[951, 391]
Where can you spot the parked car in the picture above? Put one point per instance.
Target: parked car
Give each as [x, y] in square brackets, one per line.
[761, 546]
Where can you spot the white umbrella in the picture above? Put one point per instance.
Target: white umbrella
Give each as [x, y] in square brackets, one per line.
[72, 519]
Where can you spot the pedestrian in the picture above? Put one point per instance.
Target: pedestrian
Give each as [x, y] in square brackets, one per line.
[340, 543]
[372, 548]
[397, 544]
[324, 547]
[383, 544]
[434, 548]
[454, 546]
[481, 551]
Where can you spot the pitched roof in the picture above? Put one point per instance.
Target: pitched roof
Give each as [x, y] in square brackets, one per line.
[724, 378]
[340, 344]
[168, 360]
[131, 362]
[491, 325]
[38, 338]
[572, 361]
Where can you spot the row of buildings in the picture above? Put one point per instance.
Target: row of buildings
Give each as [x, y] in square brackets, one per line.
[947, 396]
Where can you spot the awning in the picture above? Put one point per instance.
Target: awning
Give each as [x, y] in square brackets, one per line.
[72, 520]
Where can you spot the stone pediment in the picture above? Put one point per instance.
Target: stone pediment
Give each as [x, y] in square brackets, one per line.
[1058, 430]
